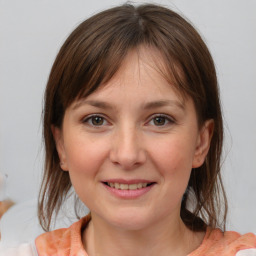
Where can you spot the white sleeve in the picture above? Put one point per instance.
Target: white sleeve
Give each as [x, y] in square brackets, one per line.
[247, 252]
[22, 250]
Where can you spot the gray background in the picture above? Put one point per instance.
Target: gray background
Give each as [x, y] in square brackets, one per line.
[31, 32]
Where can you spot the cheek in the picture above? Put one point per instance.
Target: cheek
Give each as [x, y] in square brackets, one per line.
[85, 158]
[173, 156]
[173, 160]
[174, 163]
[85, 155]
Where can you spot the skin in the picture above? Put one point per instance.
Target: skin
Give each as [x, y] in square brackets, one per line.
[127, 141]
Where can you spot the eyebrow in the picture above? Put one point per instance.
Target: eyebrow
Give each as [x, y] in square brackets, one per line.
[163, 103]
[149, 105]
[94, 103]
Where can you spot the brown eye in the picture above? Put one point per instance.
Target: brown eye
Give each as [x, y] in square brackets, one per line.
[159, 121]
[97, 120]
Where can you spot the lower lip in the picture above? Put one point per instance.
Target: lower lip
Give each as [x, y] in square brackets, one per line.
[128, 194]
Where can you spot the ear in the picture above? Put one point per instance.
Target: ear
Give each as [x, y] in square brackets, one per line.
[58, 138]
[203, 143]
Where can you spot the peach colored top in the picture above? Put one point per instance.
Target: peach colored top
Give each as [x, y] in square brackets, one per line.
[68, 242]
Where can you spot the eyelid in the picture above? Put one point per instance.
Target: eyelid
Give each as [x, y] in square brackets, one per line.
[88, 117]
[170, 119]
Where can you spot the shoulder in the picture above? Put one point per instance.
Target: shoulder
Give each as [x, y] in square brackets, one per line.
[227, 243]
[65, 241]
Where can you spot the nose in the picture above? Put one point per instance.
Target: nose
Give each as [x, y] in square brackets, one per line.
[127, 149]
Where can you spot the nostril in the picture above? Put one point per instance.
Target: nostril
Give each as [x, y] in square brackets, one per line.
[128, 159]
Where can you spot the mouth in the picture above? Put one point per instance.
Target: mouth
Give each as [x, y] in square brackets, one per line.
[128, 189]
[125, 186]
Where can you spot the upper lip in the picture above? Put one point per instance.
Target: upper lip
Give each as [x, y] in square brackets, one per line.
[123, 181]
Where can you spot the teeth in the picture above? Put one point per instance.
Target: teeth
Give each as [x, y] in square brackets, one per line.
[124, 186]
[127, 186]
[133, 186]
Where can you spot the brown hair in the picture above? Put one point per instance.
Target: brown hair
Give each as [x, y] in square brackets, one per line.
[90, 57]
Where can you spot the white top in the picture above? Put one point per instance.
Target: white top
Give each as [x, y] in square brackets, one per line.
[22, 250]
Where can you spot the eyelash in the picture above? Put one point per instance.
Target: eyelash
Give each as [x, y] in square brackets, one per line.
[168, 120]
[89, 119]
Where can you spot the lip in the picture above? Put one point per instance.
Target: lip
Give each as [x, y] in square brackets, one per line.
[123, 181]
[126, 193]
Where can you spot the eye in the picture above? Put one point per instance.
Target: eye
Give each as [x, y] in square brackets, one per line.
[160, 120]
[95, 120]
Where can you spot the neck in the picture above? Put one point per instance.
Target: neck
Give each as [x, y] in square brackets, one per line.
[101, 239]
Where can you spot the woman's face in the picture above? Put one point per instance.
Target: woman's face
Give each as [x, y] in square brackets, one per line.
[129, 147]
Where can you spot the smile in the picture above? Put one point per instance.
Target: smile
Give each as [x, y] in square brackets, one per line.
[122, 186]
[131, 189]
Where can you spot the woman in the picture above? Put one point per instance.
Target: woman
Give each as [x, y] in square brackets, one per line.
[132, 121]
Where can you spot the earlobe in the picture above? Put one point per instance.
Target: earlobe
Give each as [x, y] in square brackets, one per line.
[203, 143]
[57, 134]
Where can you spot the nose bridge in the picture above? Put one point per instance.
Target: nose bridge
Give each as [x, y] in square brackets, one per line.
[127, 148]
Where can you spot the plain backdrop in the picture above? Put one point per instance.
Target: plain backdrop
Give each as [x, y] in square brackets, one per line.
[31, 32]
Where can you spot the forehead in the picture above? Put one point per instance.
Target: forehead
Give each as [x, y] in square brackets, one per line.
[144, 69]
[141, 78]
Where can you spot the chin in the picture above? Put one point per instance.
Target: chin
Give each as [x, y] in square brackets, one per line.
[131, 220]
